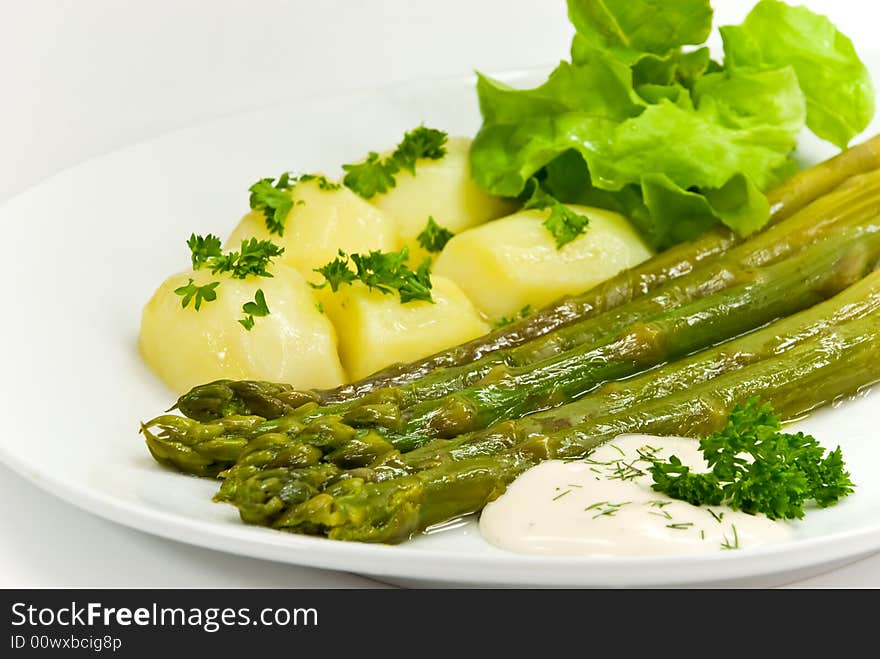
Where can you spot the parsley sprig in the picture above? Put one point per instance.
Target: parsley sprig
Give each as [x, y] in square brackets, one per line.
[256, 308]
[434, 237]
[756, 468]
[563, 223]
[375, 175]
[203, 249]
[197, 294]
[251, 260]
[384, 271]
[275, 198]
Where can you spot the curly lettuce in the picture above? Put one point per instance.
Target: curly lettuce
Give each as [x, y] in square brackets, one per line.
[671, 138]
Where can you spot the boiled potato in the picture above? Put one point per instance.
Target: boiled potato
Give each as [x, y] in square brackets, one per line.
[295, 343]
[442, 189]
[315, 230]
[513, 262]
[376, 330]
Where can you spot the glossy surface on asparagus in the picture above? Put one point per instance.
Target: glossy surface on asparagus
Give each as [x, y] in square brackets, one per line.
[810, 375]
[357, 437]
[860, 302]
[855, 201]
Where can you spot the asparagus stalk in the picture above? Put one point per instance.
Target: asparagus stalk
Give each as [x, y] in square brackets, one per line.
[814, 274]
[768, 293]
[854, 202]
[810, 375]
[858, 302]
[785, 200]
[226, 397]
[206, 449]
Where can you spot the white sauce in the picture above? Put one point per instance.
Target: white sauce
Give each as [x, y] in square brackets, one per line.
[604, 506]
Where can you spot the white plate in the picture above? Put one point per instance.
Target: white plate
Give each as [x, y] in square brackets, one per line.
[84, 251]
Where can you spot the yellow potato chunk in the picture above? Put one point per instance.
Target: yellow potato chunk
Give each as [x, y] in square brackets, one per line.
[316, 229]
[295, 343]
[376, 330]
[513, 262]
[442, 189]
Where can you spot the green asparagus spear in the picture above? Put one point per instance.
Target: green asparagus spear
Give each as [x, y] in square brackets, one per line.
[226, 397]
[815, 273]
[795, 383]
[852, 204]
[859, 301]
[206, 449]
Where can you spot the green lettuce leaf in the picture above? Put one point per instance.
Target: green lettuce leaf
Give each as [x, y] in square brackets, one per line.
[743, 122]
[602, 89]
[632, 28]
[836, 84]
[667, 136]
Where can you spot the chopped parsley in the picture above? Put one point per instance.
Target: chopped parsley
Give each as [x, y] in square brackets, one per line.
[336, 273]
[384, 271]
[197, 294]
[419, 143]
[203, 249]
[320, 180]
[370, 177]
[275, 199]
[375, 175]
[256, 308]
[433, 237]
[756, 468]
[251, 260]
[563, 223]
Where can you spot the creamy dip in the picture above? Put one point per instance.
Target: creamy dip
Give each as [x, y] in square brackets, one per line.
[604, 505]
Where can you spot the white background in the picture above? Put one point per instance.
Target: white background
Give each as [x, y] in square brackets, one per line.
[84, 77]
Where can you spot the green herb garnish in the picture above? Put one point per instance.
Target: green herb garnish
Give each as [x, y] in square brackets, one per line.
[731, 544]
[433, 237]
[419, 143]
[375, 175]
[384, 271]
[336, 273]
[256, 308]
[275, 199]
[605, 508]
[643, 121]
[203, 249]
[757, 468]
[320, 180]
[563, 223]
[198, 294]
[252, 259]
